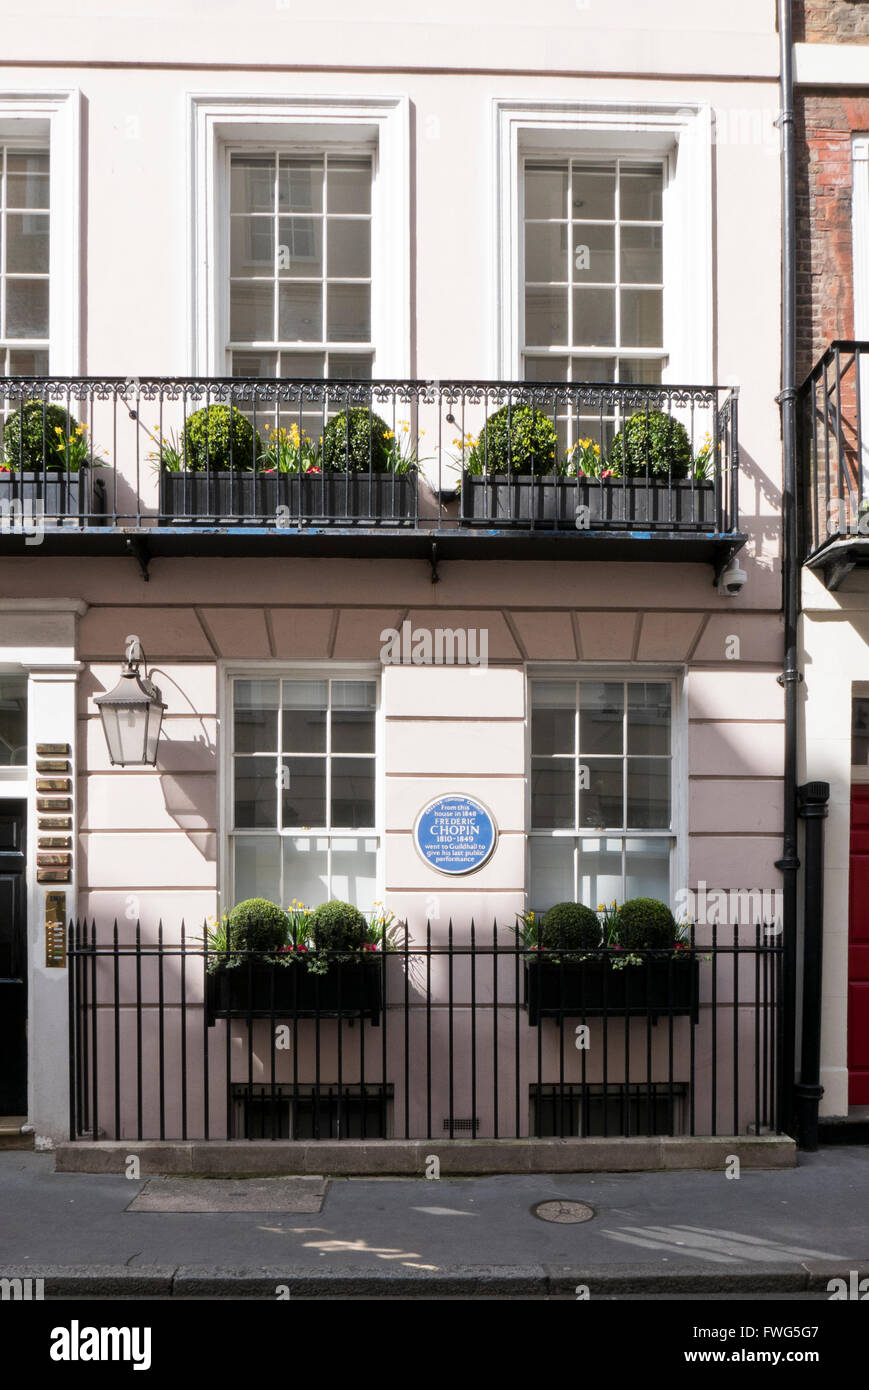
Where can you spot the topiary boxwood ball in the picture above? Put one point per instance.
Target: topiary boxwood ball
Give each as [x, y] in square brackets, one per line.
[654, 441]
[357, 441]
[646, 923]
[42, 446]
[219, 438]
[258, 925]
[337, 926]
[570, 927]
[517, 438]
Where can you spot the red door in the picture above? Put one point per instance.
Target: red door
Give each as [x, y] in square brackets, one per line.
[858, 950]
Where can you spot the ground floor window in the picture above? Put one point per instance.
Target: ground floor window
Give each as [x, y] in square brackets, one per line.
[601, 791]
[304, 763]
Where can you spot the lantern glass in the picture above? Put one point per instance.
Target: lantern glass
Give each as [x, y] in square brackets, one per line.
[132, 716]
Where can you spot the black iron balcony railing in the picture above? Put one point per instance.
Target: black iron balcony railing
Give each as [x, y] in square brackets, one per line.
[401, 462]
[834, 461]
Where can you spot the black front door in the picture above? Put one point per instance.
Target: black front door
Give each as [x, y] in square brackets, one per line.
[13, 959]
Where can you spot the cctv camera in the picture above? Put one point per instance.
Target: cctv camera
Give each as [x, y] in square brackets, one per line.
[732, 580]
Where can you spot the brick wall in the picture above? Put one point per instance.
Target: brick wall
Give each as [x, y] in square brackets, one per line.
[825, 299]
[831, 21]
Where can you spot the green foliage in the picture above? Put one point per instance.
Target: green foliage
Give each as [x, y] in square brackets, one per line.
[570, 927]
[53, 439]
[654, 441]
[517, 438]
[257, 925]
[337, 926]
[357, 441]
[219, 437]
[646, 923]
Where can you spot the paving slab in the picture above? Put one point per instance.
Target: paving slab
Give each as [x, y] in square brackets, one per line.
[275, 1195]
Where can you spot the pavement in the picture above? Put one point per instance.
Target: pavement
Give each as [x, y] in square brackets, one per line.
[663, 1234]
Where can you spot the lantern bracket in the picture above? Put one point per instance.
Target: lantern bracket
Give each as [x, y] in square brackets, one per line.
[138, 548]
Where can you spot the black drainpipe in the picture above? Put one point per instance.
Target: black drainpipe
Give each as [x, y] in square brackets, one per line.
[808, 1091]
[790, 676]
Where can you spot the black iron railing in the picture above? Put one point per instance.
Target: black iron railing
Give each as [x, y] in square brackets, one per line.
[834, 448]
[460, 1035]
[281, 455]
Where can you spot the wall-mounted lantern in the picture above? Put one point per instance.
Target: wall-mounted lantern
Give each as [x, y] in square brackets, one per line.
[132, 713]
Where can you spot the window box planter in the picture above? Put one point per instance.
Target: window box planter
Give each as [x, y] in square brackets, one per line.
[60, 498]
[591, 988]
[349, 989]
[211, 498]
[523, 500]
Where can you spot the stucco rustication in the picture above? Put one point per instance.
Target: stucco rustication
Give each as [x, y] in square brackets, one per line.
[831, 21]
[825, 300]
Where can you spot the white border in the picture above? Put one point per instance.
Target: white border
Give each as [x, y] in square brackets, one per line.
[62, 110]
[214, 120]
[681, 133]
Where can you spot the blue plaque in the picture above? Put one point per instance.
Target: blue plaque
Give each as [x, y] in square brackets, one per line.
[455, 834]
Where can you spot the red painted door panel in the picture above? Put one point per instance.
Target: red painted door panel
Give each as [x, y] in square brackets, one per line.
[858, 951]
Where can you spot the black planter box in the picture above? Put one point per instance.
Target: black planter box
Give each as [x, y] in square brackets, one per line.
[525, 500]
[57, 498]
[254, 498]
[591, 988]
[348, 990]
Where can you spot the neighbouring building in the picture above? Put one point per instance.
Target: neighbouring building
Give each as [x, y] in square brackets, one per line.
[419, 223]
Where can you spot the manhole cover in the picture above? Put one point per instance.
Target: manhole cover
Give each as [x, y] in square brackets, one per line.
[566, 1213]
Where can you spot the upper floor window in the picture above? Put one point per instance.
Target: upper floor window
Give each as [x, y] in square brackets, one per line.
[300, 264]
[24, 259]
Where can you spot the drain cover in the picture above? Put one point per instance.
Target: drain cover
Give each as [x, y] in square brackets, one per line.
[565, 1213]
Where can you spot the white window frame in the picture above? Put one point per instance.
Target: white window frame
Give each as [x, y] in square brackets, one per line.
[380, 125]
[298, 670]
[674, 676]
[682, 137]
[54, 117]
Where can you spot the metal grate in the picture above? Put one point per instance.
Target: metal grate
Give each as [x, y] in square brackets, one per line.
[466, 1123]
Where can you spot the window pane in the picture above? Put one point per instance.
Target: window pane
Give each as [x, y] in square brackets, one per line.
[545, 317]
[859, 731]
[28, 363]
[256, 793]
[552, 793]
[304, 718]
[27, 181]
[256, 716]
[642, 318]
[348, 185]
[252, 246]
[259, 364]
[353, 710]
[648, 717]
[546, 251]
[27, 308]
[300, 312]
[649, 793]
[600, 872]
[300, 246]
[647, 873]
[545, 368]
[13, 719]
[354, 871]
[594, 317]
[252, 183]
[600, 802]
[251, 312]
[304, 366]
[349, 242]
[257, 868]
[352, 792]
[306, 869]
[593, 369]
[27, 242]
[553, 717]
[300, 185]
[644, 373]
[303, 794]
[594, 257]
[601, 714]
[350, 366]
[546, 190]
[642, 255]
[640, 192]
[594, 191]
[551, 871]
[349, 313]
